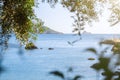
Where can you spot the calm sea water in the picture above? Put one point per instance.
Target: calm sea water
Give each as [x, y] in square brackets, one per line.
[21, 64]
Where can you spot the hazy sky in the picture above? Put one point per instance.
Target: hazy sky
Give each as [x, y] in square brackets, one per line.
[59, 19]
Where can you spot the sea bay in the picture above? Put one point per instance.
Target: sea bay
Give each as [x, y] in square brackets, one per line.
[21, 64]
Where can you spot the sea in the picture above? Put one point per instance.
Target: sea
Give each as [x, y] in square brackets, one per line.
[65, 53]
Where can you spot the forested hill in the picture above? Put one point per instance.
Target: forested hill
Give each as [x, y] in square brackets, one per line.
[50, 31]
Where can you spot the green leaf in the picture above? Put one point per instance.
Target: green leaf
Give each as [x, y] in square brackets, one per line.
[77, 77]
[58, 73]
[93, 50]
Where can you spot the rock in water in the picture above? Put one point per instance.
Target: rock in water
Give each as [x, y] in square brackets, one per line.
[50, 48]
[91, 58]
[30, 46]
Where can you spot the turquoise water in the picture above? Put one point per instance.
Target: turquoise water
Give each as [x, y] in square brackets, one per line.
[21, 64]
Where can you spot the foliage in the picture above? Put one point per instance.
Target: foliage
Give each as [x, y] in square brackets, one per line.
[115, 15]
[64, 77]
[108, 65]
[18, 18]
[58, 73]
[51, 2]
[84, 12]
[116, 48]
[85, 7]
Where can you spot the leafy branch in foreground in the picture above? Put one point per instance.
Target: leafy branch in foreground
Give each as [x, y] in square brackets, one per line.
[115, 12]
[107, 65]
[64, 77]
[18, 17]
[84, 12]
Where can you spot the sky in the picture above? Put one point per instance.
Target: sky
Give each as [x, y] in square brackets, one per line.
[59, 19]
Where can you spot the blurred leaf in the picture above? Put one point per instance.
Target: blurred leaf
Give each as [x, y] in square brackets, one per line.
[96, 66]
[114, 23]
[77, 77]
[93, 50]
[82, 28]
[75, 29]
[102, 64]
[58, 73]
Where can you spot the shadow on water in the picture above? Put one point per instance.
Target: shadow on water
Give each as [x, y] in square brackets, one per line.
[1, 67]
[20, 52]
[3, 47]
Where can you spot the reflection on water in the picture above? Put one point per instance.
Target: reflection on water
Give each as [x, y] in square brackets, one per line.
[4, 38]
[1, 67]
[20, 53]
[3, 47]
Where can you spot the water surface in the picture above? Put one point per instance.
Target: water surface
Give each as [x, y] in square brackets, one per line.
[36, 64]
